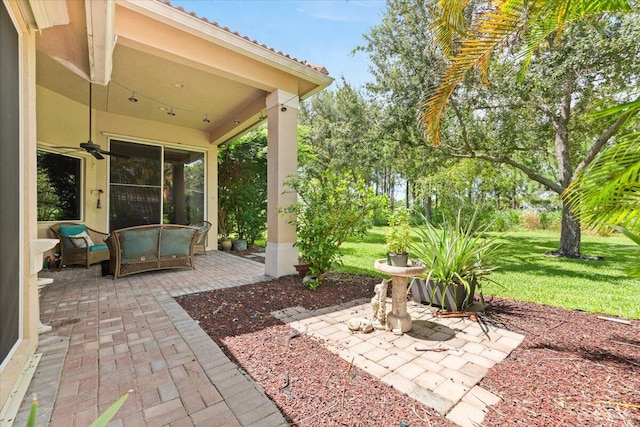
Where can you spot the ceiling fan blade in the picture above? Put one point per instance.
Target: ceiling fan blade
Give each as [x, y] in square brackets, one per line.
[97, 155]
[111, 153]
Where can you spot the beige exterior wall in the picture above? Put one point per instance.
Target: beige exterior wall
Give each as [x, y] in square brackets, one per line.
[13, 371]
[63, 122]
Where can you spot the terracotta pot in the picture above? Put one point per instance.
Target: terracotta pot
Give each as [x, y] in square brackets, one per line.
[302, 269]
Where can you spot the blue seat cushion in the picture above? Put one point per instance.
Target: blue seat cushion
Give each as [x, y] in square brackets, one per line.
[176, 242]
[96, 248]
[139, 245]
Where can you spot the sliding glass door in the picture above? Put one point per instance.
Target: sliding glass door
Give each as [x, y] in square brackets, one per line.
[155, 185]
[135, 189]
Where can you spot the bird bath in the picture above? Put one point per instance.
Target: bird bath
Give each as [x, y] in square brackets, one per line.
[398, 320]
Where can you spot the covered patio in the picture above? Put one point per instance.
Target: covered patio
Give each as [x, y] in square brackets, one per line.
[164, 88]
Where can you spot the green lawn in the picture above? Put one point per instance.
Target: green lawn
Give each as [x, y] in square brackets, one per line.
[527, 274]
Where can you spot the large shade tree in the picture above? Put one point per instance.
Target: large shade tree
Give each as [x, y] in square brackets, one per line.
[542, 126]
[472, 39]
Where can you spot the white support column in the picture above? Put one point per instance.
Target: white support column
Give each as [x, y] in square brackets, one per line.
[282, 162]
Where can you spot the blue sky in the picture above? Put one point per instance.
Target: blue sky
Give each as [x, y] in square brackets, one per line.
[319, 31]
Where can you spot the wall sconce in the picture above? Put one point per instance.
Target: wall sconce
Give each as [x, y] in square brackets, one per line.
[99, 191]
[283, 108]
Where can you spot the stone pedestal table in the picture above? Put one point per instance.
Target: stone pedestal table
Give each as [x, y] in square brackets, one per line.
[398, 320]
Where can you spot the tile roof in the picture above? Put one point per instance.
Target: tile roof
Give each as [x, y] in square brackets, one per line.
[314, 67]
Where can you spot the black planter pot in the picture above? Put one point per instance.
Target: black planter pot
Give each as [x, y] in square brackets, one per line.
[451, 297]
[239, 245]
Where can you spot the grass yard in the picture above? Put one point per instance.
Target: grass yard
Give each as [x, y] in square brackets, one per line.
[528, 274]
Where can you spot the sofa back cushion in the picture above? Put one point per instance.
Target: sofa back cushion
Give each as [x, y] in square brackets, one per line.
[139, 245]
[176, 242]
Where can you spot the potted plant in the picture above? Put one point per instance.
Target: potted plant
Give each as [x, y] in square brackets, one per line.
[398, 238]
[223, 230]
[458, 259]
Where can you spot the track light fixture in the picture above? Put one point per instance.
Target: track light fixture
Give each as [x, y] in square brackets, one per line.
[170, 112]
[206, 119]
[133, 98]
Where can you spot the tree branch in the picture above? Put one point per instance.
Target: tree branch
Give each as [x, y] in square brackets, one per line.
[603, 139]
[551, 185]
[465, 135]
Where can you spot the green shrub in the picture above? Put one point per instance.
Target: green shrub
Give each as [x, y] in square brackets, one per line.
[330, 208]
[242, 185]
[504, 220]
[380, 217]
[551, 220]
[531, 220]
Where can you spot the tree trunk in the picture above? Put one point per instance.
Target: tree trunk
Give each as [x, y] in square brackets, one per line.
[570, 227]
[406, 194]
[427, 209]
[569, 234]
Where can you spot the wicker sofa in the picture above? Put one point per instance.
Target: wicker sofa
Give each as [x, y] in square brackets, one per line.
[80, 244]
[151, 247]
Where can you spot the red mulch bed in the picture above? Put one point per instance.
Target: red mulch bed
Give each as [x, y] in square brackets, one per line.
[572, 369]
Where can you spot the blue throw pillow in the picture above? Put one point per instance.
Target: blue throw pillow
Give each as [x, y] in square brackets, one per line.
[176, 242]
[71, 230]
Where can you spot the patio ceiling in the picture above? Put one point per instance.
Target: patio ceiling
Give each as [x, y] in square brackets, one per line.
[163, 78]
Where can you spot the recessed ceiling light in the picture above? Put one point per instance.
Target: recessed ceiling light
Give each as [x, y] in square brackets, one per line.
[178, 84]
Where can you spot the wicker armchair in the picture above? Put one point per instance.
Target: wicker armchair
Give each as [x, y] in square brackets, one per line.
[83, 250]
[201, 238]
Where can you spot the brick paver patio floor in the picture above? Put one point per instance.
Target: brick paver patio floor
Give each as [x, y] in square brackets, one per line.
[110, 336]
[445, 380]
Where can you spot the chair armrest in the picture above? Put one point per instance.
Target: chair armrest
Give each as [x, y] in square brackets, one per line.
[98, 237]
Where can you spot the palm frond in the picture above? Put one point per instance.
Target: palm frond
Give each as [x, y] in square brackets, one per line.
[535, 20]
[608, 192]
[491, 29]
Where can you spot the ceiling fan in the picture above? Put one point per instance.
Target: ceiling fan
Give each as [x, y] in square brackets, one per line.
[90, 147]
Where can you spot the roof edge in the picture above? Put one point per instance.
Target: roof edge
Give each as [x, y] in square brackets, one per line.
[177, 17]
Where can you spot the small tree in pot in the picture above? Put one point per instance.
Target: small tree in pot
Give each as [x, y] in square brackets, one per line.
[458, 259]
[398, 238]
